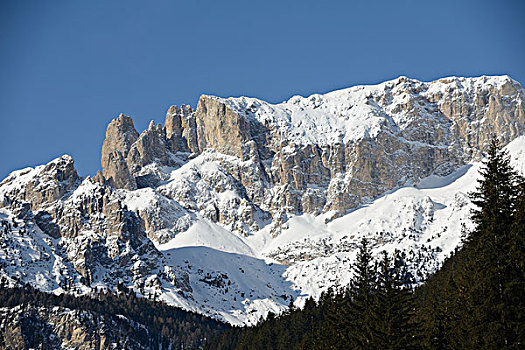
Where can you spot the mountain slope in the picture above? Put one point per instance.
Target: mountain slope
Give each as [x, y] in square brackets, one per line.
[231, 209]
[101, 319]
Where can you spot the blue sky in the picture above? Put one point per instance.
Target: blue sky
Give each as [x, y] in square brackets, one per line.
[68, 67]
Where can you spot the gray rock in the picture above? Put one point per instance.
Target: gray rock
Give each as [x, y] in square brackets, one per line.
[120, 136]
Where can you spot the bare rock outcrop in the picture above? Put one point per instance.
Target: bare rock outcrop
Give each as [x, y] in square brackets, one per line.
[89, 215]
[40, 186]
[126, 154]
[322, 153]
[180, 127]
[221, 128]
[120, 136]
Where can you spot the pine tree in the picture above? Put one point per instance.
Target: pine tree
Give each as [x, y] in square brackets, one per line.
[334, 334]
[382, 306]
[514, 271]
[359, 321]
[485, 276]
[393, 309]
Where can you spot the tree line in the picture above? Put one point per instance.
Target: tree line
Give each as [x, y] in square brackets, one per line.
[168, 327]
[376, 311]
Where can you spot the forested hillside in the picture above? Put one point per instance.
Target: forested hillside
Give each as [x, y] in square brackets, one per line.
[34, 319]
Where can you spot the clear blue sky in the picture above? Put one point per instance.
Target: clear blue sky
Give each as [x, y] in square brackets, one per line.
[68, 67]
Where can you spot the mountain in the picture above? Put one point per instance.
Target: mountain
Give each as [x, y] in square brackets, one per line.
[231, 209]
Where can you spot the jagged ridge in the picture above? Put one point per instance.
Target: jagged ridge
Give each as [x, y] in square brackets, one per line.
[246, 179]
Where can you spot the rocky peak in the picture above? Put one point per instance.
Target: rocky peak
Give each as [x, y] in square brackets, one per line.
[125, 153]
[121, 132]
[222, 128]
[150, 147]
[61, 169]
[180, 129]
[325, 153]
[120, 136]
[35, 188]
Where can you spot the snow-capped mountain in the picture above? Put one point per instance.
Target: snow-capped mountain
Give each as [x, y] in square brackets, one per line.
[233, 208]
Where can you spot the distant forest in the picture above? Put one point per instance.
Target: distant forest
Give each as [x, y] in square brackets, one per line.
[168, 327]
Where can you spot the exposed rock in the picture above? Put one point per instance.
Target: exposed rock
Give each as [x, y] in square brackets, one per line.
[126, 155]
[321, 153]
[180, 129]
[89, 215]
[120, 136]
[249, 166]
[40, 186]
[221, 128]
[150, 147]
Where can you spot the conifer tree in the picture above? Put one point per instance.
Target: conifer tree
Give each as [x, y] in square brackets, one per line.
[514, 283]
[383, 300]
[483, 283]
[334, 334]
[359, 322]
[393, 310]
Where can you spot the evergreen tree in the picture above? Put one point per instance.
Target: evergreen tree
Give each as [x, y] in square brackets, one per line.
[359, 321]
[514, 272]
[487, 272]
[334, 333]
[393, 309]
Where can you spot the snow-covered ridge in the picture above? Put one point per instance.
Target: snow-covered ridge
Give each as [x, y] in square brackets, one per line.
[359, 111]
[229, 215]
[18, 179]
[246, 163]
[238, 279]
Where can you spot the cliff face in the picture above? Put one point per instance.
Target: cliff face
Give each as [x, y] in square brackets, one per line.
[324, 153]
[231, 175]
[245, 163]
[120, 136]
